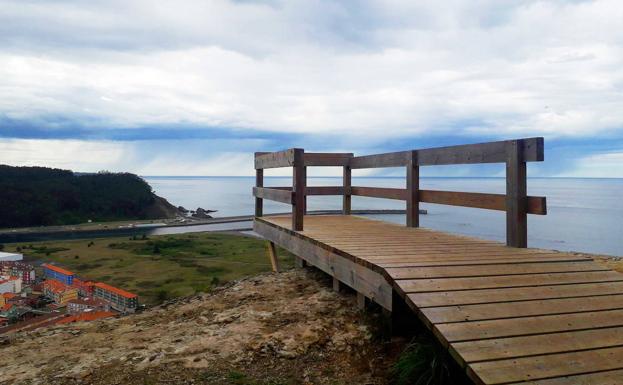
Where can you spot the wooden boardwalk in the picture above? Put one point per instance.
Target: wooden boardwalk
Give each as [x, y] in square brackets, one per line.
[508, 315]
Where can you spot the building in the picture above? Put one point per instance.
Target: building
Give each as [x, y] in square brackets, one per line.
[61, 275]
[7, 257]
[119, 299]
[59, 292]
[81, 305]
[4, 298]
[19, 269]
[85, 288]
[24, 300]
[10, 284]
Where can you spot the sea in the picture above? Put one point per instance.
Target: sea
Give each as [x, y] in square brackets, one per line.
[583, 214]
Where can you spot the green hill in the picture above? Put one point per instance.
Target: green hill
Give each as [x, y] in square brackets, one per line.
[40, 196]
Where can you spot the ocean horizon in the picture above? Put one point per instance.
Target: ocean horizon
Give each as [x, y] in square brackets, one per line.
[584, 214]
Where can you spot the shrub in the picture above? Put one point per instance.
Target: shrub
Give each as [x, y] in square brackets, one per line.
[423, 362]
[162, 295]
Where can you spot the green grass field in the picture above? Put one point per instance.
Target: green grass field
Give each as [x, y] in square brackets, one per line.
[159, 267]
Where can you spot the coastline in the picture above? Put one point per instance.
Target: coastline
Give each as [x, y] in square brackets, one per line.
[117, 228]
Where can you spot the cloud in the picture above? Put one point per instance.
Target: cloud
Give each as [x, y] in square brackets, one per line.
[607, 165]
[355, 75]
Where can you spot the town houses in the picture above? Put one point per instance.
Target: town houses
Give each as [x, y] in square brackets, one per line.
[60, 296]
[22, 270]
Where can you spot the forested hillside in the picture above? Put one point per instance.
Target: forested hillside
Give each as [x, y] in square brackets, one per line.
[39, 196]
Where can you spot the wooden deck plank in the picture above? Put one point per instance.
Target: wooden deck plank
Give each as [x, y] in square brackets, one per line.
[506, 281]
[477, 261]
[494, 349]
[492, 270]
[509, 315]
[548, 366]
[611, 377]
[511, 327]
[467, 297]
[489, 311]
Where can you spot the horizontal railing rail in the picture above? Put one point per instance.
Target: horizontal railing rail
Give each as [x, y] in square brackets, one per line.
[514, 153]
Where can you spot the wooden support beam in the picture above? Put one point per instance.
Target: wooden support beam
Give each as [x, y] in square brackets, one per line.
[391, 159]
[275, 159]
[380, 192]
[298, 189]
[516, 202]
[361, 301]
[299, 262]
[413, 187]
[325, 190]
[491, 152]
[316, 190]
[272, 254]
[259, 202]
[346, 198]
[327, 159]
[278, 195]
[305, 189]
[536, 205]
[336, 285]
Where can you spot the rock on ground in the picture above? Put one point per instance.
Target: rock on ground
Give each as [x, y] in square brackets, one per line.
[287, 328]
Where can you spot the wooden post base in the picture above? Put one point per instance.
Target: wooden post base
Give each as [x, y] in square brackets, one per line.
[361, 301]
[272, 255]
[299, 262]
[336, 285]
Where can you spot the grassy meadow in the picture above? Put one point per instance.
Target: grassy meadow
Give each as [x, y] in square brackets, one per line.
[157, 267]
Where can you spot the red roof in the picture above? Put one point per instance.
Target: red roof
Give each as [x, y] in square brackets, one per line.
[8, 295]
[57, 269]
[88, 316]
[115, 290]
[56, 286]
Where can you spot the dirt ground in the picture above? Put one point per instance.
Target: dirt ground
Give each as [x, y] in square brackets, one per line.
[287, 328]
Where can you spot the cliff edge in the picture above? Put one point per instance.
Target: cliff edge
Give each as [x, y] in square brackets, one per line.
[287, 328]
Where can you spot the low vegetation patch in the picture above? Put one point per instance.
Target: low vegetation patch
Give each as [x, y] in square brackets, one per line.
[158, 268]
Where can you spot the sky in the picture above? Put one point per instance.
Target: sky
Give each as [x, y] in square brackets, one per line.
[195, 87]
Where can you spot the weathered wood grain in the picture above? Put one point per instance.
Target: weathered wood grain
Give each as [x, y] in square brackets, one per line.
[516, 200]
[259, 202]
[275, 159]
[413, 190]
[299, 176]
[346, 183]
[535, 205]
[327, 159]
[278, 195]
[380, 192]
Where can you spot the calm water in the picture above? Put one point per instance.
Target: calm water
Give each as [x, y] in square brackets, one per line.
[583, 214]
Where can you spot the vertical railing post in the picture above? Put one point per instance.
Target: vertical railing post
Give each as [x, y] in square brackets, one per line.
[516, 191]
[305, 199]
[413, 187]
[298, 188]
[346, 198]
[259, 202]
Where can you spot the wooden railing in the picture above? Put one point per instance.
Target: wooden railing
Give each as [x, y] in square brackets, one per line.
[514, 153]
